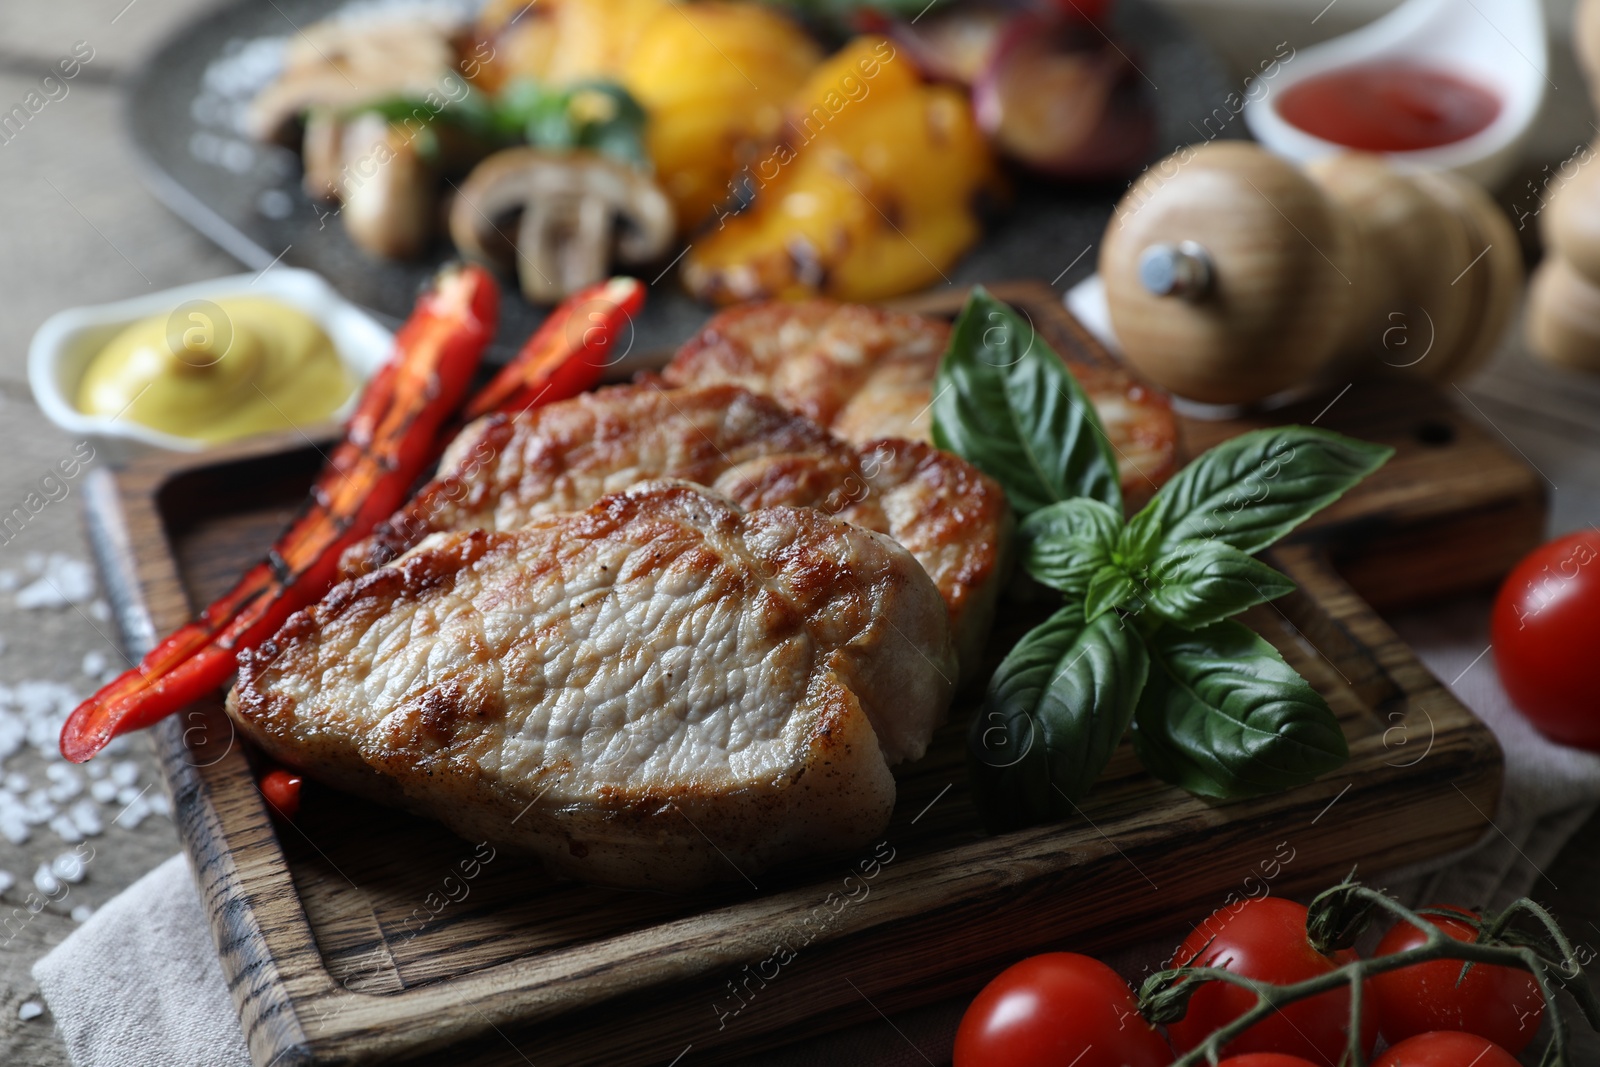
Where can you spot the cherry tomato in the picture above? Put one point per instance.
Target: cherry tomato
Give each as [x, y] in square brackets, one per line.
[1502, 1004]
[1095, 11]
[1545, 629]
[1266, 939]
[1445, 1049]
[1056, 1009]
[1265, 1059]
[282, 790]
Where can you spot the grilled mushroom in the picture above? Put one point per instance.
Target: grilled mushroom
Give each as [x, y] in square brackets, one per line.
[388, 189]
[578, 211]
[346, 63]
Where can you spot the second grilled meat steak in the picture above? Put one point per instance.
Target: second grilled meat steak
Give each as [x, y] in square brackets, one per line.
[501, 473]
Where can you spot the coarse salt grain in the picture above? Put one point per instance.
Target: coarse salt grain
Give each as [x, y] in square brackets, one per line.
[74, 577]
[160, 803]
[41, 594]
[37, 807]
[125, 773]
[64, 782]
[134, 813]
[86, 817]
[63, 827]
[100, 611]
[94, 663]
[13, 821]
[69, 867]
[105, 790]
[30, 1010]
[128, 794]
[9, 581]
[81, 913]
[45, 881]
[16, 783]
[7, 880]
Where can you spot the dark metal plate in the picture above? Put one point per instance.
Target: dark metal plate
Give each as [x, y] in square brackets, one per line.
[247, 197]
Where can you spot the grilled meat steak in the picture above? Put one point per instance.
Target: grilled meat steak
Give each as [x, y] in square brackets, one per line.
[866, 373]
[661, 691]
[501, 473]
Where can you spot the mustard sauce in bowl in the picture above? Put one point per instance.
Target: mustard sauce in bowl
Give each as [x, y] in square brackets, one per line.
[217, 371]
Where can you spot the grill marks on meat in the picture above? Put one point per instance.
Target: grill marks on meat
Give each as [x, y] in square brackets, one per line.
[501, 473]
[613, 689]
[866, 373]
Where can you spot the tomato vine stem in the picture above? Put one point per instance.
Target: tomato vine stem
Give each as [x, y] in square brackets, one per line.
[1336, 918]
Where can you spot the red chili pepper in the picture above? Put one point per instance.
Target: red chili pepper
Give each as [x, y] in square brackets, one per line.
[565, 356]
[281, 789]
[567, 353]
[389, 441]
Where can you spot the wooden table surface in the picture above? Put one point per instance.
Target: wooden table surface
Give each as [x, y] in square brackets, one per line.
[77, 228]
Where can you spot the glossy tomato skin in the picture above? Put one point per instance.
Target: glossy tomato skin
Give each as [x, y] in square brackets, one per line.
[1055, 1009]
[1445, 1049]
[282, 790]
[1265, 1059]
[1501, 1004]
[1266, 939]
[1545, 628]
[1096, 11]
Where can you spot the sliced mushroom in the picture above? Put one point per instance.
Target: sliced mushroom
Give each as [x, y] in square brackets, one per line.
[578, 212]
[322, 154]
[388, 189]
[345, 63]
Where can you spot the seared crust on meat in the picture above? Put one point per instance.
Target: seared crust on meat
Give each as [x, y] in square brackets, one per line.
[502, 473]
[660, 691]
[866, 373]
[815, 356]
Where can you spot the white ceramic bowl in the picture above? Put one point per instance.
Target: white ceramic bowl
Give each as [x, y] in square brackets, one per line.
[1499, 44]
[63, 347]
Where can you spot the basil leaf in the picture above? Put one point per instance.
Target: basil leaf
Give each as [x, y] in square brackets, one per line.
[1063, 545]
[1111, 587]
[1222, 715]
[1006, 403]
[1202, 582]
[1250, 491]
[1056, 709]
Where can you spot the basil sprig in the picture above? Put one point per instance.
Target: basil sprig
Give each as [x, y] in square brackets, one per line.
[1143, 638]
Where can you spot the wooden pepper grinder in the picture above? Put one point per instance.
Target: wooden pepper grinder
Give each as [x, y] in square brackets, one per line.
[1231, 275]
[1563, 323]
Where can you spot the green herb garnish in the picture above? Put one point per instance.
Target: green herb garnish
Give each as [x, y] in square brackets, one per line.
[1143, 639]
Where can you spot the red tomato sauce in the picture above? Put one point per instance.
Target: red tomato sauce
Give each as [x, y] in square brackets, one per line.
[1389, 107]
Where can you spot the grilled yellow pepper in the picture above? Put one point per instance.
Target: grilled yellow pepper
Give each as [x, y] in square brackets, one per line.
[714, 77]
[870, 194]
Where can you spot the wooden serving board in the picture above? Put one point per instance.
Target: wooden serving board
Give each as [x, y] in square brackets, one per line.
[361, 935]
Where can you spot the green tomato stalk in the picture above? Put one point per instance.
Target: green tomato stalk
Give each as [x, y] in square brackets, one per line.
[1337, 918]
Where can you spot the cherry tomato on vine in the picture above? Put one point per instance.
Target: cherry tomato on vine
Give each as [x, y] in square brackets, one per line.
[1446, 1049]
[1545, 628]
[1266, 939]
[1265, 1059]
[282, 790]
[1054, 1009]
[1501, 1004]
